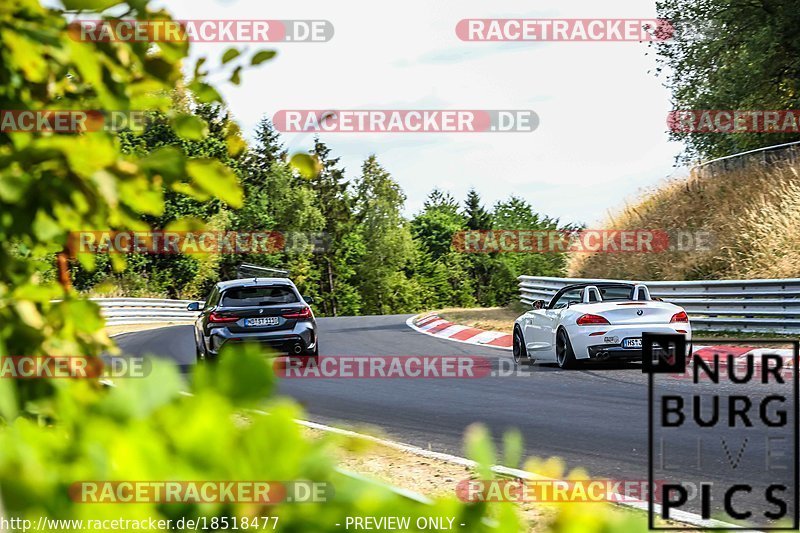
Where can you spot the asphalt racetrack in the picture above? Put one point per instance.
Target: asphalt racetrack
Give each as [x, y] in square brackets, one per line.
[595, 417]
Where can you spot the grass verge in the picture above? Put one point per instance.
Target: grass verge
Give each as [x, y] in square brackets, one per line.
[741, 224]
[488, 318]
[129, 328]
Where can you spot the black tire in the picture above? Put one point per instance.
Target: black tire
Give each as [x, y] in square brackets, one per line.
[518, 350]
[202, 355]
[565, 356]
[198, 351]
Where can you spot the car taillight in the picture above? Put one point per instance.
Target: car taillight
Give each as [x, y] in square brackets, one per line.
[591, 320]
[679, 317]
[215, 318]
[303, 313]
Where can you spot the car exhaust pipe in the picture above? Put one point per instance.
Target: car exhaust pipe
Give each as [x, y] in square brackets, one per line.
[297, 349]
[602, 356]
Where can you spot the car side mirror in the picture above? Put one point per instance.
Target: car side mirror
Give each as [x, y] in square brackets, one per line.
[194, 306]
[537, 304]
[308, 299]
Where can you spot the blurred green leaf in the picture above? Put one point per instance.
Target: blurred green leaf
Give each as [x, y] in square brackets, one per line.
[190, 127]
[85, 314]
[479, 447]
[204, 93]
[90, 5]
[230, 54]
[217, 179]
[263, 55]
[12, 187]
[307, 165]
[236, 77]
[45, 228]
[8, 399]
[242, 374]
[200, 62]
[513, 447]
[186, 224]
[167, 161]
[26, 55]
[138, 397]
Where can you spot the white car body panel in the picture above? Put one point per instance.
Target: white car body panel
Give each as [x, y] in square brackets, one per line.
[628, 319]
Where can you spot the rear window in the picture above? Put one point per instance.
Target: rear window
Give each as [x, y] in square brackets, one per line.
[608, 293]
[256, 296]
[616, 293]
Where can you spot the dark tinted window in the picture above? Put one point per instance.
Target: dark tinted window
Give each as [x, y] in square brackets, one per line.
[616, 293]
[255, 296]
[608, 293]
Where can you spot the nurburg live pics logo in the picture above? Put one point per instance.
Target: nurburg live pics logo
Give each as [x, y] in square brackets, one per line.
[725, 442]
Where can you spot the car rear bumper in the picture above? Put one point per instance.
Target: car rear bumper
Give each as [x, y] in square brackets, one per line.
[607, 343]
[300, 339]
[601, 352]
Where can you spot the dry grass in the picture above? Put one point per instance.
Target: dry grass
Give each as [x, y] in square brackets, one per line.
[430, 477]
[753, 216]
[129, 328]
[488, 318]
[434, 478]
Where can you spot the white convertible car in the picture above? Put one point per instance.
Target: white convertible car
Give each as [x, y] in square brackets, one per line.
[594, 321]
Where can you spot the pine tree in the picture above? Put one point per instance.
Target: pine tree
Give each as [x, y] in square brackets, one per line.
[442, 201]
[268, 144]
[335, 204]
[477, 217]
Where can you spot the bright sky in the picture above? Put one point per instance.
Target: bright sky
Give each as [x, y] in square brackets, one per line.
[602, 133]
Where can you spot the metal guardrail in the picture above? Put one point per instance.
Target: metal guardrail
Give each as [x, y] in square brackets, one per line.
[144, 310]
[763, 156]
[757, 305]
[150, 310]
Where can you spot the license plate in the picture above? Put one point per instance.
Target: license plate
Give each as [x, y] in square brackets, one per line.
[632, 343]
[266, 321]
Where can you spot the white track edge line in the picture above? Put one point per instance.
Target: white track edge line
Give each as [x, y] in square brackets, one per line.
[678, 516]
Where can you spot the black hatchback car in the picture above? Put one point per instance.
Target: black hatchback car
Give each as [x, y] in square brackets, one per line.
[267, 311]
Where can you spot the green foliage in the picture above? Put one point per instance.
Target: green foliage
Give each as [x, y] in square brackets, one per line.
[477, 217]
[442, 270]
[367, 259]
[517, 214]
[728, 55]
[56, 183]
[384, 265]
[145, 429]
[452, 278]
[334, 200]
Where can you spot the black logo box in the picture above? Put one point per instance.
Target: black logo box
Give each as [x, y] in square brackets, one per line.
[658, 360]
